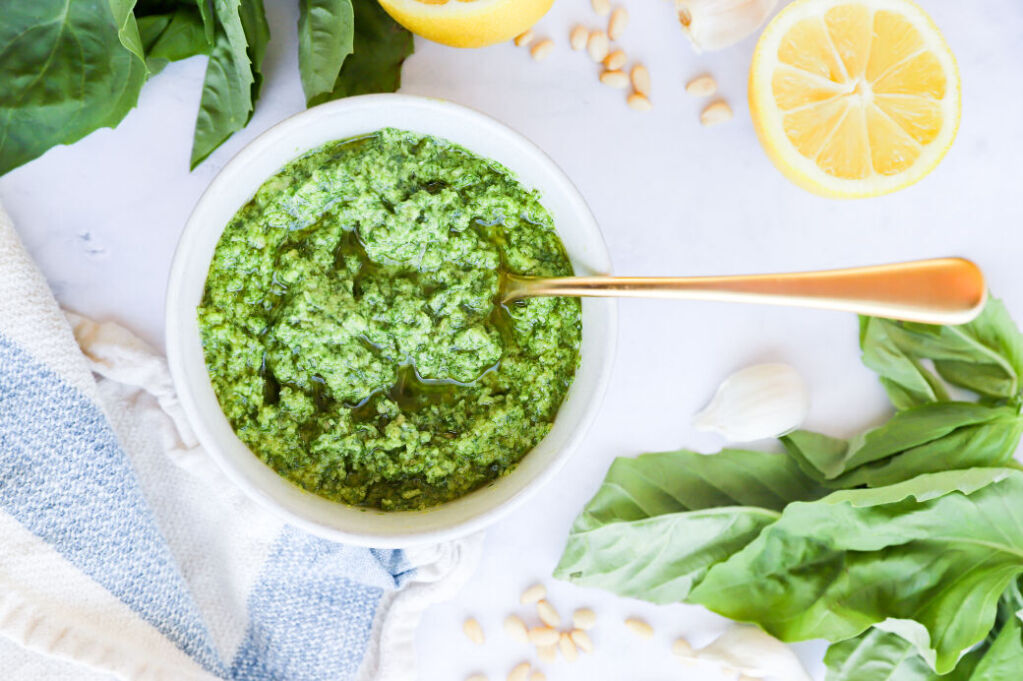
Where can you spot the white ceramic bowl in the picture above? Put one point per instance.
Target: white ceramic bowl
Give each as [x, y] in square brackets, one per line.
[236, 184]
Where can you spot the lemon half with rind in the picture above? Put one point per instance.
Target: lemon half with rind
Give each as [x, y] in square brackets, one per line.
[854, 98]
[467, 23]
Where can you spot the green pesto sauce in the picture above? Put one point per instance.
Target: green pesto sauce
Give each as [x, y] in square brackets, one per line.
[350, 327]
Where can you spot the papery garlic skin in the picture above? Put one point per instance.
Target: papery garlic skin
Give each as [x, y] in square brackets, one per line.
[715, 24]
[754, 653]
[758, 402]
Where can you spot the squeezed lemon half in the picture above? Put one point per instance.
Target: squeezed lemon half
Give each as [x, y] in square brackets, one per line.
[467, 23]
[854, 98]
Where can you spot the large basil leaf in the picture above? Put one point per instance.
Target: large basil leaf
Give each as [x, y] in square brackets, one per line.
[226, 102]
[985, 356]
[379, 48]
[934, 552]
[659, 521]
[67, 68]
[325, 33]
[924, 439]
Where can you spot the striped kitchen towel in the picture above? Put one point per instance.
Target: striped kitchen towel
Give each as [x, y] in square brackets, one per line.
[124, 552]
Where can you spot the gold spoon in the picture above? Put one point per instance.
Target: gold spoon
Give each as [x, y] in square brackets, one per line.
[937, 291]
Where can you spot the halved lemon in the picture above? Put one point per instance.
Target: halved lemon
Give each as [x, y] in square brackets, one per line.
[854, 98]
[467, 23]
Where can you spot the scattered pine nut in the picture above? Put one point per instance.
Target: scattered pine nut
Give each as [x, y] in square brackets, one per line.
[524, 38]
[616, 79]
[519, 672]
[543, 636]
[639, 627]
[639, 102]
[547, 653]
[473, 631]
[582, 640]
[601, 7]
[597, 46]
[616, 25]
[567, 648]
[516, 629]
[537, 675]
[702, 86]
[542, 49]
[641, 80]
[533, 594]
[716, 112]
[615, 60]
[584, 618]
[681, 648]
[477, 677]
[548, 615]
[578, 37]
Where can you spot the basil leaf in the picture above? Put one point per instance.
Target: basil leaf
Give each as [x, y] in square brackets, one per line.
[1003, 660]
[933, 552]
[257, 36]
[924, 439]
[379, 48]
[171, 37]
[67, 69]
[985, 356]
[231, 79]
[659, 521]
[325, 34]
[876, 655]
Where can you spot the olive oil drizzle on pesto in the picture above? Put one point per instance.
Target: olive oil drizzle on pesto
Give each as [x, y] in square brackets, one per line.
[350, 326]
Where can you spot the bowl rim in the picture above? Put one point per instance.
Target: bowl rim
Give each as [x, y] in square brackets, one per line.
[175, 336]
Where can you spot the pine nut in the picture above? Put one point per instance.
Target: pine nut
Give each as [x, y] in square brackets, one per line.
[519, 672]
[547, 653]
[537, 676]
[548, 615]
[516, 629]
[533, 594]
[597, 46]
[638, 102]
[477, 677]
[681, 648]
[616, 25]
[568, 648]
[582, 640]
[639, 627]
[542, 49]
[615, 79]
[584, 618]
[716, 112]
[473, 631]
[578, 37]
[615, 60]
[543, 636]
[524, 38]
[641, 80]
[702, 86]
[601, 7]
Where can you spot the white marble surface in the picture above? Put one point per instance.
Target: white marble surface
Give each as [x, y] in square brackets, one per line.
[102, 218]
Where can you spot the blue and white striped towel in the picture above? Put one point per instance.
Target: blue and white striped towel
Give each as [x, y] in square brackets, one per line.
[122, 547]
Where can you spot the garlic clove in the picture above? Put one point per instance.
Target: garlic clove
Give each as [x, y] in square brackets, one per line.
[715, 24]
[751, 652]
[760, 401]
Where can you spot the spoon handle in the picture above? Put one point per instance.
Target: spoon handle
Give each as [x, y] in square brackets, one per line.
[937, 291]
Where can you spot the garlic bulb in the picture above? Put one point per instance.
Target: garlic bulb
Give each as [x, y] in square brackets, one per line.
[714, 24]
[754, 653]
[760, 401]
